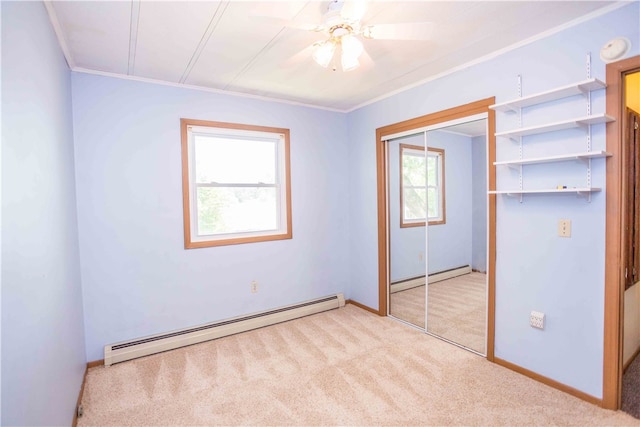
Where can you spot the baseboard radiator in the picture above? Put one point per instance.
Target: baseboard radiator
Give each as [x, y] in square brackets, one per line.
[127, 350]
[433, 278]
[449, 274]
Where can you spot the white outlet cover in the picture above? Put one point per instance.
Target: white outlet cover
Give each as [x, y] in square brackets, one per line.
[536, 320]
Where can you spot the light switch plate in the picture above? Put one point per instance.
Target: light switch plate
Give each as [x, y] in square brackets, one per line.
[564, 228]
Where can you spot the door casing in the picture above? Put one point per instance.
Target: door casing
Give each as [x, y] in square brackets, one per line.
[471, 109]
[614, 238]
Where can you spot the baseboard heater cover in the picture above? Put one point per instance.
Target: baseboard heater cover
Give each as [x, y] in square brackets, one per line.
[449, 274]
[407, 284]
[433, 278]
[145, 346]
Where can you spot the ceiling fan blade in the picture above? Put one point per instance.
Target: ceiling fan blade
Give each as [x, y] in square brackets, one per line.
[353, 10]
[404, 31]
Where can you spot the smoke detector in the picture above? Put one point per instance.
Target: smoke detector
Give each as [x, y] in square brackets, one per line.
[615, 49]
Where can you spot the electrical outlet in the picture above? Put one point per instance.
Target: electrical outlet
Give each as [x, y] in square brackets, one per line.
[536, 320]
[564, 228]
[254, 287]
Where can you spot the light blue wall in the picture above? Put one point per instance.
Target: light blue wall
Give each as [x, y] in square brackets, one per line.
[137, 277]
[536, 270]
[43, 358]
[479, 204]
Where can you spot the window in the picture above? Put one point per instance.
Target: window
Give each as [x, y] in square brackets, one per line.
[421, 186]
[235, 183]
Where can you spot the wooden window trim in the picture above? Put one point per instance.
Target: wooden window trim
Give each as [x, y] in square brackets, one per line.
[189, 243]
[442, 188]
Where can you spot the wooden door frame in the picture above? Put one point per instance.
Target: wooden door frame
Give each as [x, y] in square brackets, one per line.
[614, 238]
[473, 108]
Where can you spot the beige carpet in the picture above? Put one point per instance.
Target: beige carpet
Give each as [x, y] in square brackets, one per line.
[457, 309]
[342, 367]
[408, 305]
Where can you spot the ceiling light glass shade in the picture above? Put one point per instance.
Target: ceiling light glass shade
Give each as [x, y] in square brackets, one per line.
[323, 52]
[349, 63]
[351, 46]
[351, 50]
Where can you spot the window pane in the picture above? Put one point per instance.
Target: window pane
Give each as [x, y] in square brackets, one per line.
[229, 160]
[433, 207]
[432, 170]
[413, 170]
[224, 210]
[414, 203]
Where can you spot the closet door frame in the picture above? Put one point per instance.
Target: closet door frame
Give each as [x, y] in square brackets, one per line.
[382, 134]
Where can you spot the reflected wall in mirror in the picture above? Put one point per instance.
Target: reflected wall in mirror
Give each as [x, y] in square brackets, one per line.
[407, 240]
[438, 277]
[457, 249]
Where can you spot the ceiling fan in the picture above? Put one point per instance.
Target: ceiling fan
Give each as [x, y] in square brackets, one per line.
[342, 25]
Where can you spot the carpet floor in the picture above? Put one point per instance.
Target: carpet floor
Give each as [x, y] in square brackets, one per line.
[457, 309]
[631, 388]
[341, 367]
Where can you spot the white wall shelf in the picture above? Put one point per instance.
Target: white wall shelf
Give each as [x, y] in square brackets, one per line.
[555, 126]
[583, 87]
[578, 191]
[550, 159]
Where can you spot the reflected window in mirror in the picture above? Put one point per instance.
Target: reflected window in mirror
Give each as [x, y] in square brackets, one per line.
[422, 194]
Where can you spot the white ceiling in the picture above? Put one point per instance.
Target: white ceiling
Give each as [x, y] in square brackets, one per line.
[250, 47]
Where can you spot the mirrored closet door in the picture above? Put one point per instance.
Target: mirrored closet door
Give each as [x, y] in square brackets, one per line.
[457, 234]
[437, 204]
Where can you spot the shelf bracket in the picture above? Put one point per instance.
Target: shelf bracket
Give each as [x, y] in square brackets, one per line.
[583, 90]
[513, 138]
[585, 194]
[519, 195]
[585, 160]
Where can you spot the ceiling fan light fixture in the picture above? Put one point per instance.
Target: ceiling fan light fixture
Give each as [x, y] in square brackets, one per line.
[351, 46]
[351, 50]
[323, 52]
[349, 63]
[333, 15]
[332, 19]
